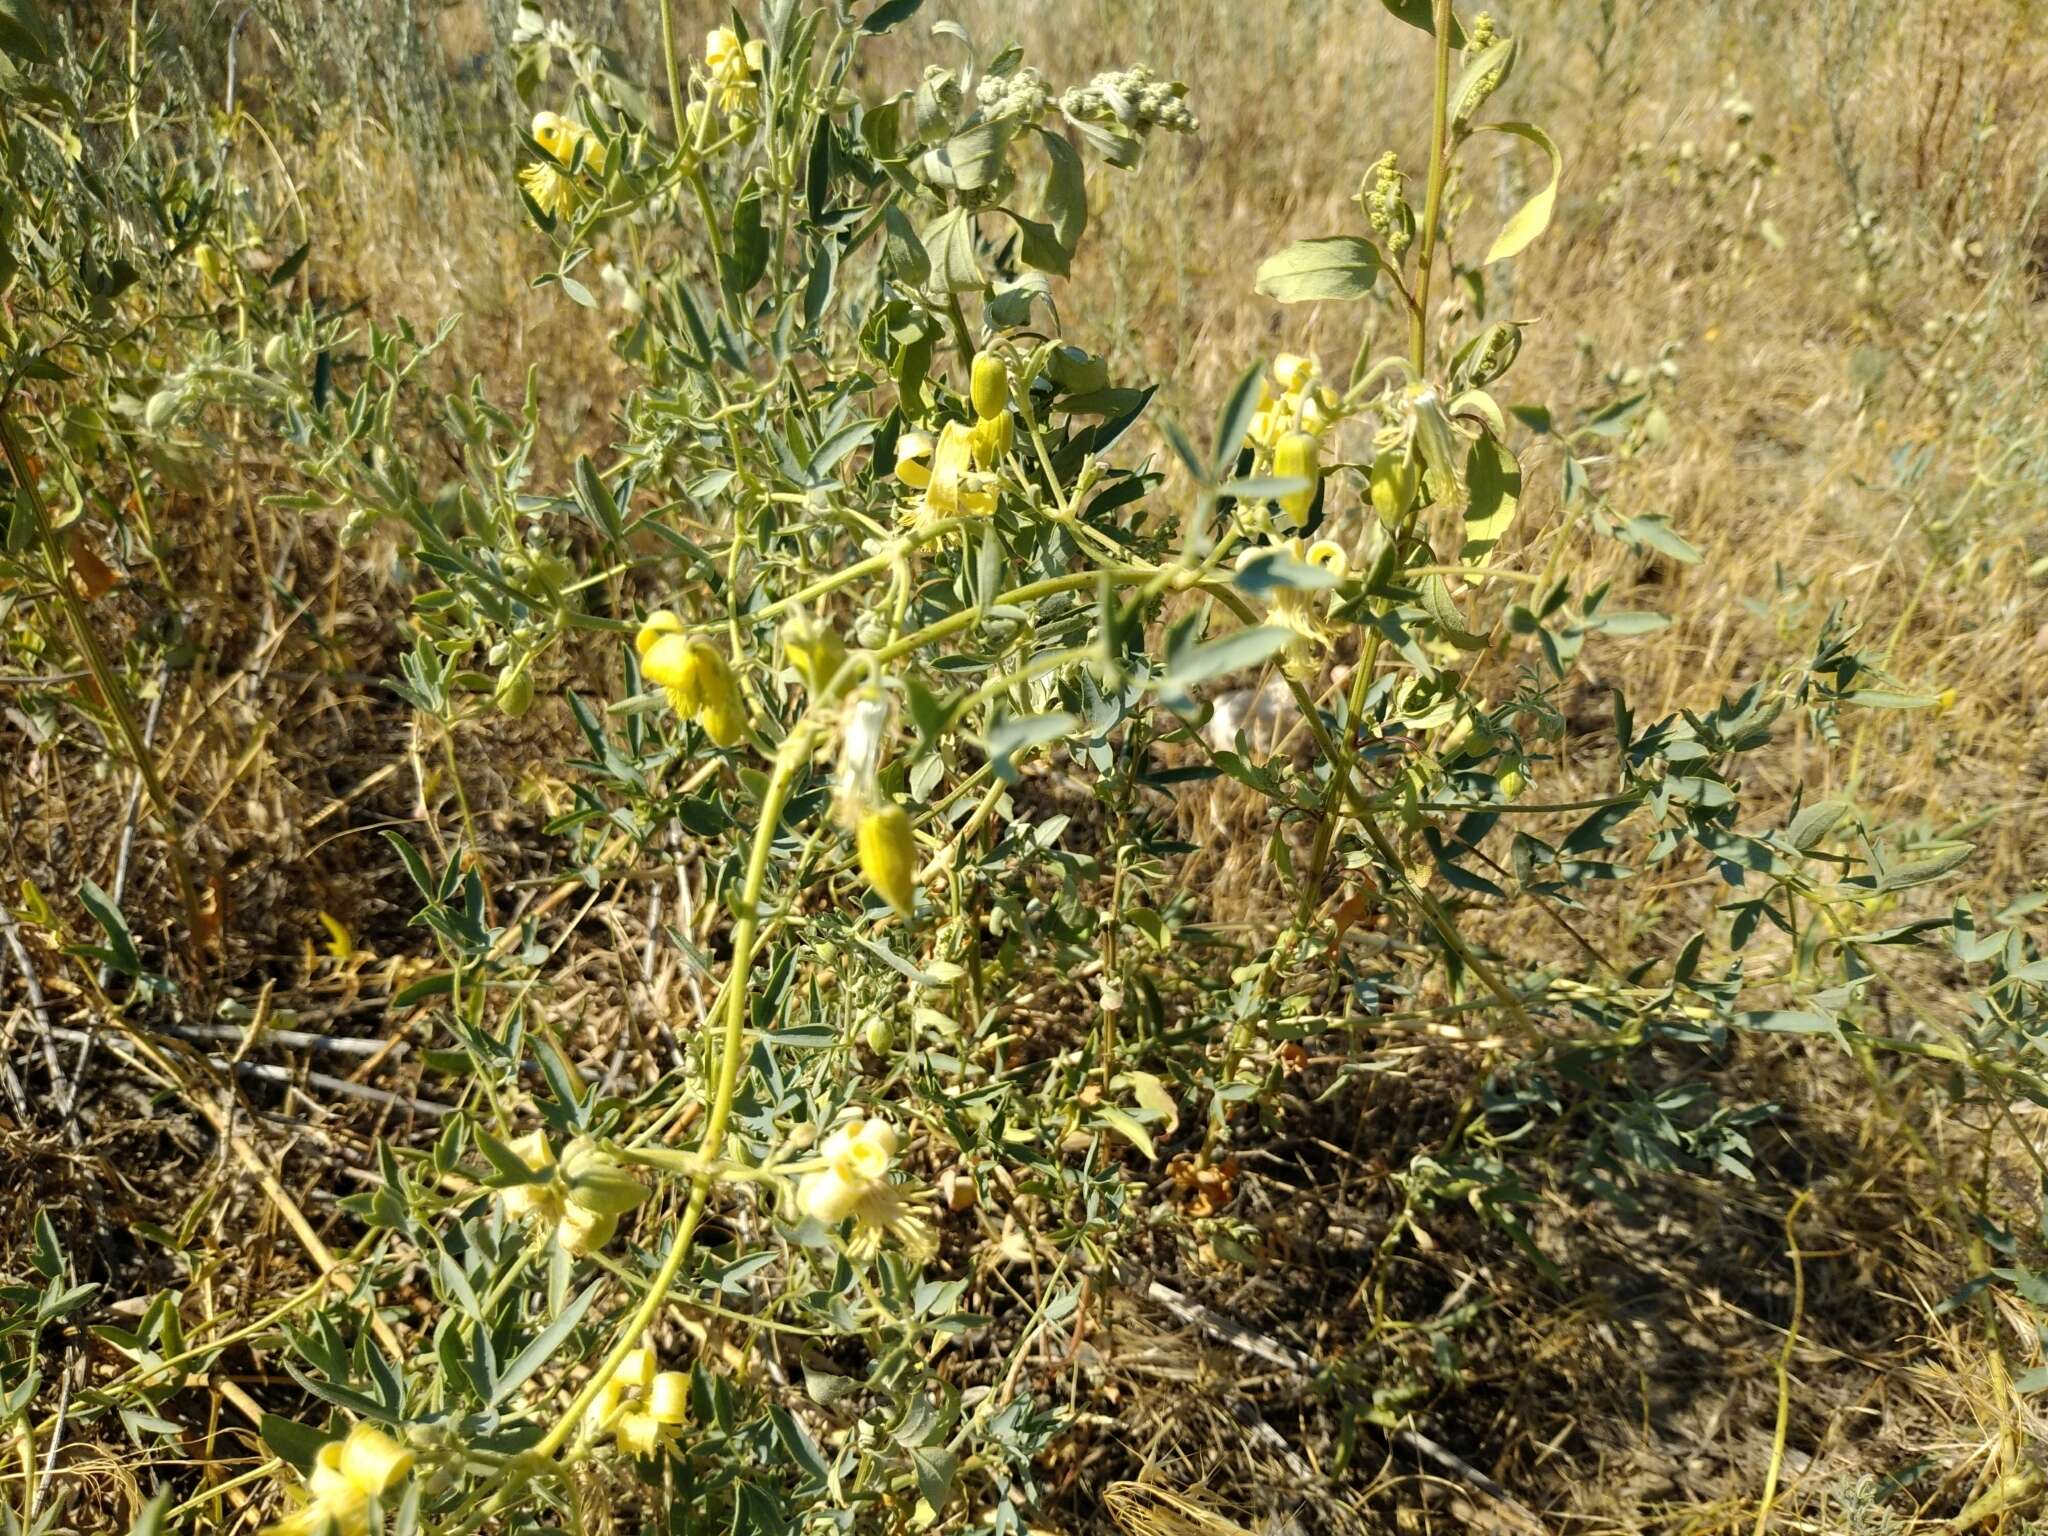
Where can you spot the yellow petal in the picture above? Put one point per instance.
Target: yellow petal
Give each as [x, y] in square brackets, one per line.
[639, 1435]
[668, 1400]
[373, 1461]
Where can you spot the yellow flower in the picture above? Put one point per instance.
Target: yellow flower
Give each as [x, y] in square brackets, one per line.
[640, 1403]
[671, 664]
[551, 183]
[992, 438]
[1294, 372]
[668, 1398]
[734, 67]
[346, 1475]
[582, 1230]
[1295, 608]
[695, 675]
[956, 487]
[854, 1182]
[888, 855]
[522, 1200]
[562, 138]
[373, 1461]
[1294, 458]
[990, 385]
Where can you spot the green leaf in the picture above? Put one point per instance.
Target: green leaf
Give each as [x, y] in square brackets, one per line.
[1019, 734]
[1065, 199]
[1533, 217]
[1497, 55]
[748, 260]
[1334, 267]
[1494, 480]
[936, 1468]
[1419, 13]
[971, 159]
[297, 1443]
[1880, 698]
[888, 14]
[1925, 871]
[1127, 1125]
[1236, 419]
[1785, 1021]
[544, 1345]
[950, 241]
[1213, 658]
[1655, 532]
[1448, 617]
[1040, 246]
[26, 33]
[903, 254]
[151, 1521]
[1815, 823]
[121, 954]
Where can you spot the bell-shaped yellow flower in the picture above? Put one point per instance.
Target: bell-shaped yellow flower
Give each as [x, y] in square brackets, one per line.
[734, 67]
[992, 438]
[347, 1474]
[854, 1182]
[888, 855]
[522, 1200]
[668, 1398]
[957, 487]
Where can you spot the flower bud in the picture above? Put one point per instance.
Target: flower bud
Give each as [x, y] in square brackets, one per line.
[514, 693]
[1512, 783]
[1395, 480]
[937, 104]
[815, 650]
[277, 353]
[888, 856]
[595, 1180]
[990, 386]
[880, 1036]
[1294, 458]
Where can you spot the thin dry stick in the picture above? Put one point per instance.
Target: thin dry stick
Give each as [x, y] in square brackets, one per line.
[39, 1007]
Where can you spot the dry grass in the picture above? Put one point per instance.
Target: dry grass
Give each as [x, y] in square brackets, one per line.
[1817, 232]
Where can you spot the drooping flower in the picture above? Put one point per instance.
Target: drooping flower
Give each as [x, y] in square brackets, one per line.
[1299, 610]
[1295, 458]
[1302, 404]
[956, 487]
[695, 675]
[572, 150]
[854, 1183]
[735, 68]
[641, 1403]
[346, 1475]
[888, 855]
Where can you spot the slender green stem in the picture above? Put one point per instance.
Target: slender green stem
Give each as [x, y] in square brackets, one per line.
[795, 753]
[1432, 208]
[676, 104]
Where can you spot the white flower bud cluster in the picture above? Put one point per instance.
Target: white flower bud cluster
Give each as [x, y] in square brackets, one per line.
[1021, 97]
[1132, 98]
